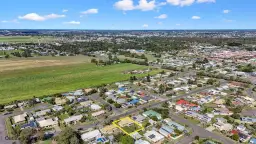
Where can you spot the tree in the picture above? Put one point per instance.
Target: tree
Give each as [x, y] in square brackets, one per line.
[228, 102]
[83, 119]
[69, 136]
[117, 105]
[7, 56]
[165, 105]
[148, 78]
[161, 89]
[93, 60]
[196, 138]
[110, 101]
[126, 140]
[40, 135]
[25, 135]
[235, 137]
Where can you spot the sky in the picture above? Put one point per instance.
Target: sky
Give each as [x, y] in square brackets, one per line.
[128, 14]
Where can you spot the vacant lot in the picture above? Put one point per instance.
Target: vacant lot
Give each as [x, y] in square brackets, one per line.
[22, 84]
[24, 39]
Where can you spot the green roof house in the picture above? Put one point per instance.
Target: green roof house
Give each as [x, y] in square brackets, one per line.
[151, 113]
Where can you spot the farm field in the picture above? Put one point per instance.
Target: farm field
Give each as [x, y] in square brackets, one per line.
[23, 39]
[22, 84]
[33, 62]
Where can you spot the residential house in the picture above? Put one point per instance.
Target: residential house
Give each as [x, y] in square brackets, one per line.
[139, 118]
[20, 118]
[60, 101]
[57, 108]
[10, 106]
[46, 123]
[109, 130]
[222, 111]
[31, 124]
[222, 125]
[73, 119]
[78, 93]
[125, 122]
[166, 131]
[86, 103]
[174, 125]
[154, 137]
[98, 113]
[140, 141]
[241, 128]
[91, 136]
[249, 120]
[151, 113]
[42, 113]
[95, 107]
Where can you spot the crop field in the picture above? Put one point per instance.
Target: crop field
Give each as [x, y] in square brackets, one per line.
[27, 82]
[24, 39]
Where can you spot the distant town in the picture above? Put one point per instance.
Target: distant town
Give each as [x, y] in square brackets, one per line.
[128, 87]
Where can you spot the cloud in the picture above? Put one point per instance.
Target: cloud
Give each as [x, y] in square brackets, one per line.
[64, 10]
[226, 11]
[37, 17]
[196, 17]
[10, 21]
[160, 23]
[228, 20]
[124, 5]
[178, 24]
[146, 6]
[162, 16]
[188, 2]
[90, 11]
[145, 26]
[73, 22]
[181, 2]
[162, 4]
[143, 5]
[206, 1]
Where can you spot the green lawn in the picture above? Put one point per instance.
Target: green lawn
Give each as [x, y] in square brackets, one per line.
[21, 39]
[26, 83]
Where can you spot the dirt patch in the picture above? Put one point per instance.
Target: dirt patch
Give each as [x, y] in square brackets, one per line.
[7, 65]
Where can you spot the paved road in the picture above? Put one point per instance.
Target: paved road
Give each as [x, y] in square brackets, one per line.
[97, 98]
[198, 131]
[250, 93]
[3, 134]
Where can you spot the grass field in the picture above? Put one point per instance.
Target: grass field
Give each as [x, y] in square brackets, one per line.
[22, 84]
[23, 39]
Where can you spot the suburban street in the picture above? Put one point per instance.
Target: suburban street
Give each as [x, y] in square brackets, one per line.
[197, 130]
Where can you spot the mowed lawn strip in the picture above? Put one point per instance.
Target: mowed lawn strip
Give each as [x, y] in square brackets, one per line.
[26, 83]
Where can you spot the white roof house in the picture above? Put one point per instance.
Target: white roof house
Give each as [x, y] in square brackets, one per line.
[95, 107]
[92, 135]
[20, 118]
[57, 108]
[95, 114]
[86, 103]
[73, 119]
[48, 122]
[153, 136]
[42, 112]
[140, 141]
